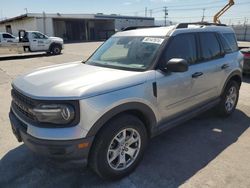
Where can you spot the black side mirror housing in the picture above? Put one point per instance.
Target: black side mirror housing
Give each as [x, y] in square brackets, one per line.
[177, 65]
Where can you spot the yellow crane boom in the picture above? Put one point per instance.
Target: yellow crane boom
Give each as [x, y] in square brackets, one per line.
[222, 11]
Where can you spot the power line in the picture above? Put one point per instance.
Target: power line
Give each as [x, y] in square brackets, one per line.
[170, 5]
[201, 6]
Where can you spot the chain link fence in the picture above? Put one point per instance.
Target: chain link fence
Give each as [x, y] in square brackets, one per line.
[242, 32]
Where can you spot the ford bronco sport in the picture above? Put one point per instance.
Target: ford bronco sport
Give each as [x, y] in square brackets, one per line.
[138, 84]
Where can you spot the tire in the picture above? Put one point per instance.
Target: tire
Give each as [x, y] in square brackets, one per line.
[102, 157]
[56, 49]
[229, 99]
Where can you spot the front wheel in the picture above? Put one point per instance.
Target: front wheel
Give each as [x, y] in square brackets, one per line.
[119, 147]
[229, 99]
[56, 49]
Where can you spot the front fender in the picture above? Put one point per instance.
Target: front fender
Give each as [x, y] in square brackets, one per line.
[96, 111]
[135, 106]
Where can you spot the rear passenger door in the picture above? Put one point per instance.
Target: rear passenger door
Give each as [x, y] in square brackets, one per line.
[230, 47]
[207, 70]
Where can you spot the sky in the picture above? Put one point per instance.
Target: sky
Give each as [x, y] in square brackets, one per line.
[178, 10]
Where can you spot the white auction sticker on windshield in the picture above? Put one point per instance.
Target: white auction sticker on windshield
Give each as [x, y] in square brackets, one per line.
[153, 40]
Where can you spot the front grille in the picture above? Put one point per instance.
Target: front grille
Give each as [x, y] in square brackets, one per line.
[26, 100]
[23, 104]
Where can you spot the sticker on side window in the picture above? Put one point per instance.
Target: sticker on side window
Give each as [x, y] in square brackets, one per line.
[153, 40]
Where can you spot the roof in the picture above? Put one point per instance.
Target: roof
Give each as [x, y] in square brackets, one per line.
[14, 18]
[174, 30]
[156, 32]
[73, 16]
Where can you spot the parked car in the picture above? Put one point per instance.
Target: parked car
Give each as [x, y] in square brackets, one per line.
[246, 66]
[33, 41]
[7, 38]
[138, 84]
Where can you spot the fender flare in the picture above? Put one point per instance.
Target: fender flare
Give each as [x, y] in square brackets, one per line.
[234, 73]
[53, 44]
[144, 109]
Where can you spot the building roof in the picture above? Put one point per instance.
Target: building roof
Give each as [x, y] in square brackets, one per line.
[14, 18]
[73, 16]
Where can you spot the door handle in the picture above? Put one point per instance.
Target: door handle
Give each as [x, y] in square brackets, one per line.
[34, 40]
[224, 66]
[197, 74]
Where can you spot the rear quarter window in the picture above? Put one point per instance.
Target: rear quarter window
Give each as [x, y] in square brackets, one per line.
[231, 39]
[227, 48]
[210, 47]
[7, 36]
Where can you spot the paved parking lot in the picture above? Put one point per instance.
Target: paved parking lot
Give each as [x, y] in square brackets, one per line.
[205, 152]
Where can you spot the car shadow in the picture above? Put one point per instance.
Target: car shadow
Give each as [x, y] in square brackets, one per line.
[24, 56]
[170, 159]
[246, 78]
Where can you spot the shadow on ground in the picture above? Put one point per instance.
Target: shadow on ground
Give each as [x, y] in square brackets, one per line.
[170, 160]
[24, 56]
[246, 78]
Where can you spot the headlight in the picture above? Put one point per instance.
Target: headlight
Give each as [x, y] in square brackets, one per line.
[54, 113]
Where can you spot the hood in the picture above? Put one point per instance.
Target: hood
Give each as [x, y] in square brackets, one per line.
[75, 81]
[56, 39]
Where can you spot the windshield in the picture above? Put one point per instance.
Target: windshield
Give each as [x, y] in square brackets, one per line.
[132, 53]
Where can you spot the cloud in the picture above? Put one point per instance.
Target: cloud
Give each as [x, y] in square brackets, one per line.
[160, 1]
[131, 2]
[127, 3]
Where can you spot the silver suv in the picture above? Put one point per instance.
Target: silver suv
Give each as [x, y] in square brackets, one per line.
[138, 84]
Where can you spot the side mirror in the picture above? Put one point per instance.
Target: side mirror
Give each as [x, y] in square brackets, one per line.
[177, 65]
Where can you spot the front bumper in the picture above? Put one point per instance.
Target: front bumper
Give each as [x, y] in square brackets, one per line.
[59, 149]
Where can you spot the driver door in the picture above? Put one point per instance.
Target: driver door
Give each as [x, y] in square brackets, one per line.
[175, 90]
[37, 42]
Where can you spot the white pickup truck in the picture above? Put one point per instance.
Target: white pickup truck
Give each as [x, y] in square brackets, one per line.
[6, 38]
[32, 41]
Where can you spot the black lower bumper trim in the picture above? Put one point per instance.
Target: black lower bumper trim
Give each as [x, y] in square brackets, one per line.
[60, 149]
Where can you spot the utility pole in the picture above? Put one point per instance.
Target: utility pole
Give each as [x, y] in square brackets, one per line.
[151, 12]
[44, 23]
[165, 10]
[245, 21]
[1, 18]
[146, 11]
[203, 15]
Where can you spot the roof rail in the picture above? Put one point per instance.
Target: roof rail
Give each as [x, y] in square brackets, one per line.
[137, 27]
[185, 25]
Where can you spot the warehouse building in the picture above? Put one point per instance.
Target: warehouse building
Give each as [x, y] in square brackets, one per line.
[73, 27]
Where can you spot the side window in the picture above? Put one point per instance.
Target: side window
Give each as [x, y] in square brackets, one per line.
[38, 36]
[210, 47]
[225, 44]
[230, 37]
[7, 36]
[182, 46]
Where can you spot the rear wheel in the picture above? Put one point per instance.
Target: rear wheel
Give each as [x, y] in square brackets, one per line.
[229, 99]
[119, 147]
